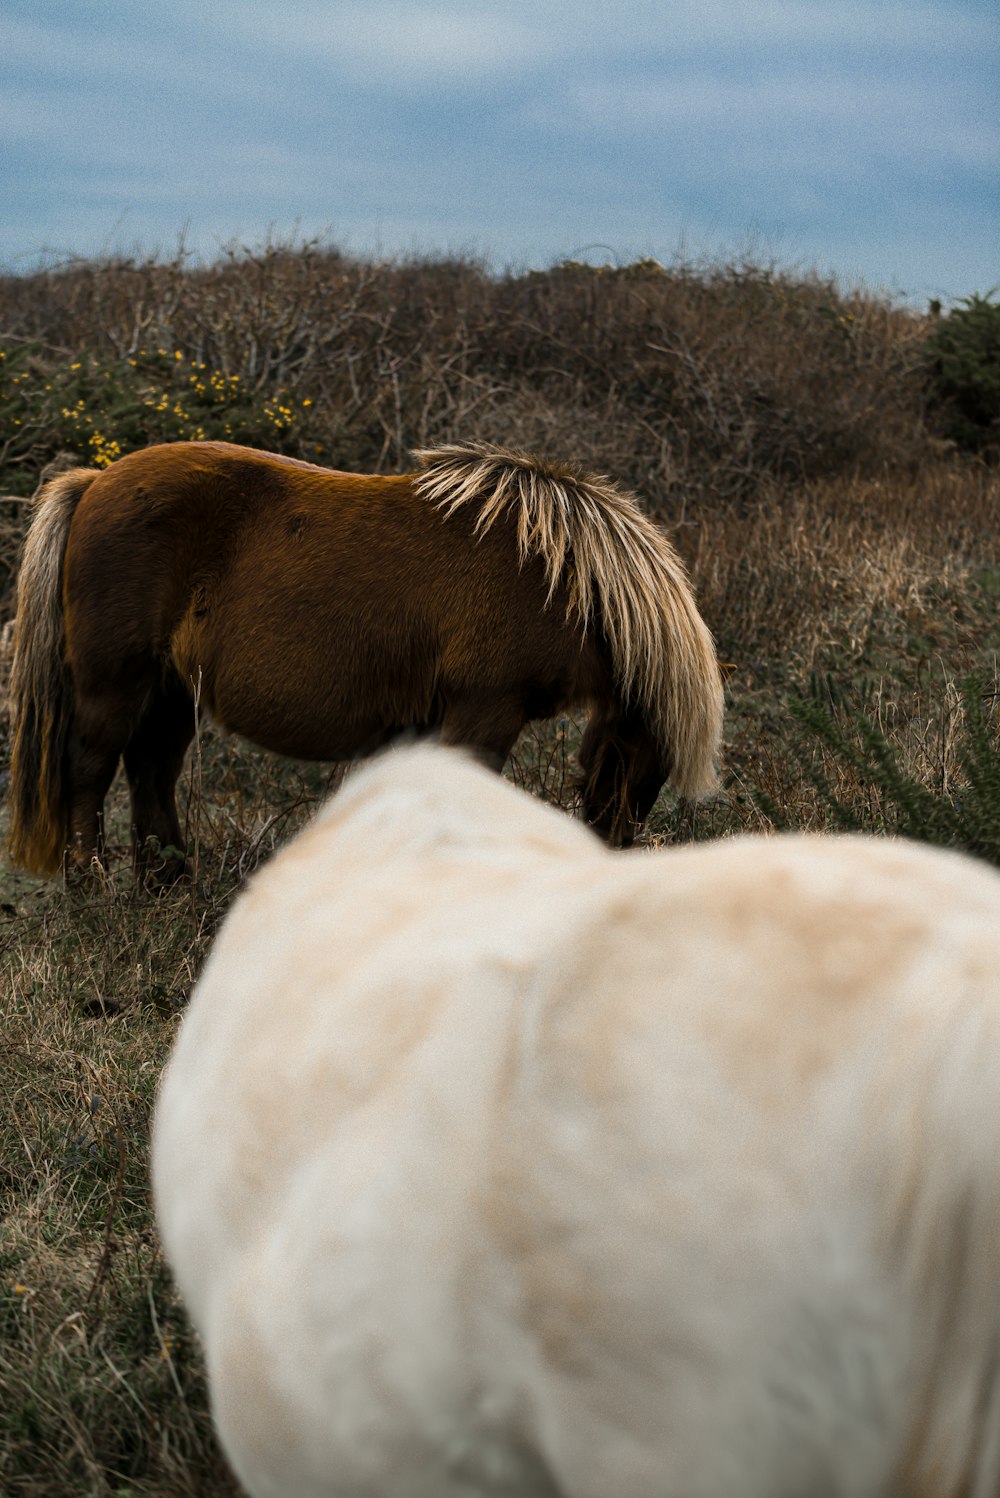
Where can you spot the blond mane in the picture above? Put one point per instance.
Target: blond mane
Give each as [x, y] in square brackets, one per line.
[594, 539]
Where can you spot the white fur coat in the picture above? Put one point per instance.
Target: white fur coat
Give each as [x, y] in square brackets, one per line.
[492, 1163]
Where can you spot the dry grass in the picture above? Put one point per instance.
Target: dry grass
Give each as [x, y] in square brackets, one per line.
[779, 432]
[101, 1388]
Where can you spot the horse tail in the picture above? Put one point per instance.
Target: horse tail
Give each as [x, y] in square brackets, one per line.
[41, 700]
[616, 565]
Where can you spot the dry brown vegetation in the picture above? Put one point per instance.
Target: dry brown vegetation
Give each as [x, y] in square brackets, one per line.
[776, 424]
[689, 383]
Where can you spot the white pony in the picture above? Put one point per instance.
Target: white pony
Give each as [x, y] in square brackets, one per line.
[491, 1162]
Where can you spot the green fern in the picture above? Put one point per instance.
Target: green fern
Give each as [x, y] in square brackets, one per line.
[892, 801]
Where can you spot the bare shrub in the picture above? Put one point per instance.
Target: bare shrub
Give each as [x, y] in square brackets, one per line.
[682, 379]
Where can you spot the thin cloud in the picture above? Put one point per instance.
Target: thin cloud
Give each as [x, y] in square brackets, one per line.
[858, 136]
[402, 47]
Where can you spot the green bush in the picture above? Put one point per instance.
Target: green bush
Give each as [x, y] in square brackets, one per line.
[100, 407]
[963, 366]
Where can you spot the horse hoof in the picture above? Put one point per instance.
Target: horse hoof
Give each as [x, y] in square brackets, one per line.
[159, 869]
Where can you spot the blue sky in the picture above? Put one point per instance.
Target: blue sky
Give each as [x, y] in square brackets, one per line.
[862, 139]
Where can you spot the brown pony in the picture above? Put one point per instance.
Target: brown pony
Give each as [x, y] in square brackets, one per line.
[318, 613]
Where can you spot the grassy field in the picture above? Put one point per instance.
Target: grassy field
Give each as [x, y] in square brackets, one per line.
[844, 552]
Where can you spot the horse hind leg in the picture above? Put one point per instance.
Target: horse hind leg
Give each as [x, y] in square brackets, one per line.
[153, 758]
[103, 731]
[97, 734]
[622, 774]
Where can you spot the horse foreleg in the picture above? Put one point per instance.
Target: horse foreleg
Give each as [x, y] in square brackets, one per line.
[488, 727]
[623, 772]
[153, 758]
